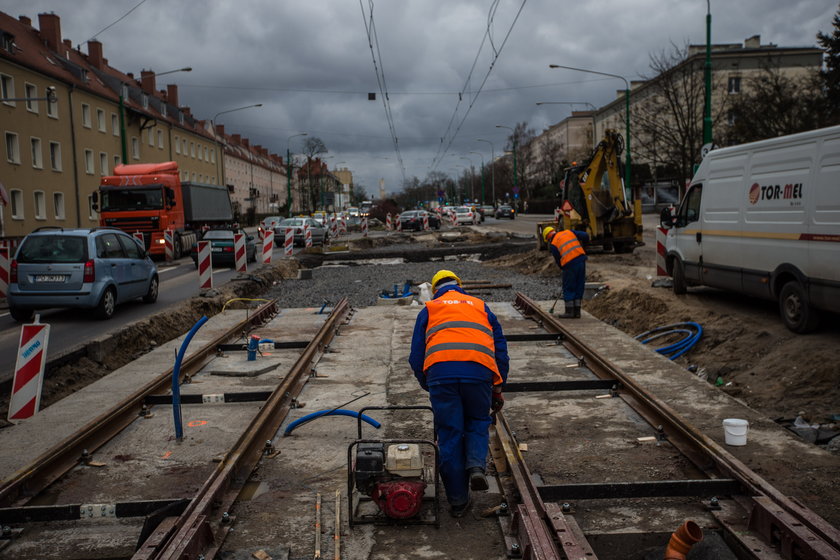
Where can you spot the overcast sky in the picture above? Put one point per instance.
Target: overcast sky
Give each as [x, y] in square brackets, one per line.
[308, 62]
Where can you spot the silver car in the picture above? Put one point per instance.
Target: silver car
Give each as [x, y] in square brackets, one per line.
[320, 235]
[93, 269]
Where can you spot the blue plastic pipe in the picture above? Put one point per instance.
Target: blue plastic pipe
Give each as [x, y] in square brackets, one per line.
[330, 412]
[176, 373]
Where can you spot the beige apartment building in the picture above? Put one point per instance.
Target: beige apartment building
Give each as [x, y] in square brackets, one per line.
[257, 179]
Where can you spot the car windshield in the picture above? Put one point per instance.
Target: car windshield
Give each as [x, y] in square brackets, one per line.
[462, 210]
[145, 198]
[53, 249]
[505, 208]
[291, 222]
[219, 234]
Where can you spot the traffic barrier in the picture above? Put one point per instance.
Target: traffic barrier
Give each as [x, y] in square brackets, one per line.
[168, 247]
[342, 230]
[454, 218]
[4, 270]
[557, 215]
[289, 243]
[388, 221]
[205, 265]
[661, 234]
[138, 235]
[399, 224]
[364, 227]
[333, 226]
[307, 235]
[268, 246]
[240, 253]
[29, 371]
[425, 222]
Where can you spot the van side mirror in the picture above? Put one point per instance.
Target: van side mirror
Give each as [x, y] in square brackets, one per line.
[170, 196]
[95, 197]
[667, 219]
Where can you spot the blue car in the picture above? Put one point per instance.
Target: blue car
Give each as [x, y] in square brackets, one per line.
[94, 269]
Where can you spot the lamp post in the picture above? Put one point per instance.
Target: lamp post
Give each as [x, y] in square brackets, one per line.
[707, 75]
[251, 190]
[472, 177]
[513, 135]
[479, 154]
[590, 105]
[492, 167]
[289, 174]
[626, 111]
[213, 120]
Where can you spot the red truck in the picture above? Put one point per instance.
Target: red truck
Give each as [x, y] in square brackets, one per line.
[150, 198]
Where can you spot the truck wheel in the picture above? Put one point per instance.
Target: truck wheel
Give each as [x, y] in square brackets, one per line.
[177, 247]
[152, 295]
[796, 310]
[680, 286]
[21, 315]
[107, 305]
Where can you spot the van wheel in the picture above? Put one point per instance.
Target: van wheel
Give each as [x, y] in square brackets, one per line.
[796, 310]
[152, 295]
[22, 315]
[680, 286]
[107, 305]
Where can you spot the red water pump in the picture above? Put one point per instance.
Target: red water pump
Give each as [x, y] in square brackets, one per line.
[392, 476]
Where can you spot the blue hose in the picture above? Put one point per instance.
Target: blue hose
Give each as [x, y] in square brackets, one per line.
[330, 412]
[176, 373]
[691, 332]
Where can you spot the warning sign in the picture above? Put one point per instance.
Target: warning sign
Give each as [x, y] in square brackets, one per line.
[29, 371]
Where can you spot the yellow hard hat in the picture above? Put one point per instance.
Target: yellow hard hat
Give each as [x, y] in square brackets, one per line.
[546, 232]
[441, 275]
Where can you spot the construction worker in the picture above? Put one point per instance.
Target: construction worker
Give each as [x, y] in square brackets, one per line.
[459, 355]
[566, 248]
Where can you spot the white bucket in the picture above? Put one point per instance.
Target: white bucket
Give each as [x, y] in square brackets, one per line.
[735, 430]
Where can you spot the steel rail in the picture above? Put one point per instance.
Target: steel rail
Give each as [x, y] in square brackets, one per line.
[204, 524]
[54, 463]
[798, 521]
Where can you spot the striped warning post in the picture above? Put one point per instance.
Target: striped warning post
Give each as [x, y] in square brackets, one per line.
[4, 270]
[333, 226]
[268, 246]
[661, 235]
[557, 215]
[364, 227]
[29, 371]
[425, 222]
[307, 235]
[388, 221]
[342, 229]
[399, 224]
[168, 247]
[289, 244]
[205, 265]
[454, 218]
[138, 235]
[239, 252]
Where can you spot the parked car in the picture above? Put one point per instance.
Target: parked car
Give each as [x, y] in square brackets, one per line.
[95, 268]
[353, 212]
[221, 246]
[487, 210]
[466, 215]
[505, 211]
[320, 217]
[320, 234]
[413, 220]
[269, 223]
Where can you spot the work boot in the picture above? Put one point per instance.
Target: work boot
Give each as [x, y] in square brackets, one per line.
[570, 311]
[460, 510]
[478, 482]
[577, 309]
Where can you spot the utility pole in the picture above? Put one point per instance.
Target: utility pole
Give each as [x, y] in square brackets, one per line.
[289, 174]
[707, 74]
[492, 167]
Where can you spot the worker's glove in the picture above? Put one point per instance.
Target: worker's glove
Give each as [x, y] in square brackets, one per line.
[497, 402]
[421, 379]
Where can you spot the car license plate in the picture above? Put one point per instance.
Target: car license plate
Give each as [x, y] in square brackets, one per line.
[217, 249]
[50, 277]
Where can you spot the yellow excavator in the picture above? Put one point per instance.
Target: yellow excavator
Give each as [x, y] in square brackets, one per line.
[595, 200]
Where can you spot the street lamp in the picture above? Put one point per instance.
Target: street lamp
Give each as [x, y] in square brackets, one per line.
[289, 174]
[213, 120]
[251, 189]
[626, 110]
[482, 175]
[513, 135]
[492, 167]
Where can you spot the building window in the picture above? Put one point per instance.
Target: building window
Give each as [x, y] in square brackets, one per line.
[145, 101]
[17, 203]
[205, 154]
[92, 215]
[135, 147]
[100, 120]
[177, 145]
[12, 147]
[86, 115]
[55, 156]
[52, 105]
[103, 162]
[180, 118]
[184, 146]
[116, 160]
[124, 91]
[193, 176]
[163, 110]
[7, 89]
[192, 149]
[40, 205]
[115, 124]
[89, 162]
[58, 205]
[212, 155]
[37, 154]
[734, 85]
[199, 153]
[151, 138]
[31, 93]
[160, 139]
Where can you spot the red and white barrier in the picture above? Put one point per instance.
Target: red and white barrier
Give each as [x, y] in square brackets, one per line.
[205, 265]
[364, 227]
[342, 230]
[425, 222]
[399, 224]
[138, 235]
[29, 371]
[289, 242]
[268, 246]
[4, 270]
[388, 221]
[307, 235]
[557, 215]
[240, 253]
[333, 226]
[661, 235]
[454, 218]
[168, 247]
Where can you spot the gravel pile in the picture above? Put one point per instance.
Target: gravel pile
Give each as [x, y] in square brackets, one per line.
[362, 283]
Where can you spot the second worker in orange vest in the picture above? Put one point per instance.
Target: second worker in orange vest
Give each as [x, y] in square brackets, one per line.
[566, 246]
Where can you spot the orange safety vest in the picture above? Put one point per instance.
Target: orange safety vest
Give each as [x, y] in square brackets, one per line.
[568, 245]
[459, 331]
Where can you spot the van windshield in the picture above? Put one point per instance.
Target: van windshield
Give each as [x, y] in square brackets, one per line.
[138, 198]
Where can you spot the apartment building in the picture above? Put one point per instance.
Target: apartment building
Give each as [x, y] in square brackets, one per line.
[256, 178]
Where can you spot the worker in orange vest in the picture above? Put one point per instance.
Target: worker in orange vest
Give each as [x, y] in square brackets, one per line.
[566, 246]
[459, 355]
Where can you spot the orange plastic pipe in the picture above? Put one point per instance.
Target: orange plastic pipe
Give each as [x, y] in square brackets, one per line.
[682, 540]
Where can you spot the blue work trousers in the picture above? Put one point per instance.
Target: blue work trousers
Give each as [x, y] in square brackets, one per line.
[462, 420]
[574, 279]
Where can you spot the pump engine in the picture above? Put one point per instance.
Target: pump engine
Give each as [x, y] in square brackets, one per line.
[393, 476]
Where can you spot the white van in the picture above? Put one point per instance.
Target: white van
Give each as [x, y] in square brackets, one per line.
[763, 219]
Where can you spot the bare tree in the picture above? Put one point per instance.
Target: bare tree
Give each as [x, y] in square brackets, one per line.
[313, 147]
[830, 74]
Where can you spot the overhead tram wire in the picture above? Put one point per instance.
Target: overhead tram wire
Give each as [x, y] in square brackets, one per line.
[122, 17]
[373, 38]
[439, 158]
